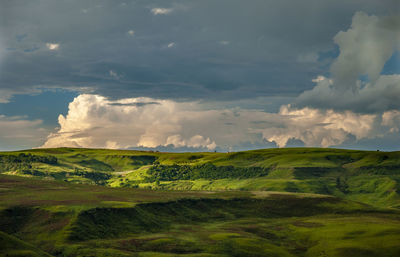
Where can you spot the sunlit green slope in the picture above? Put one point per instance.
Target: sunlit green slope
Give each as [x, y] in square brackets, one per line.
[368, 176]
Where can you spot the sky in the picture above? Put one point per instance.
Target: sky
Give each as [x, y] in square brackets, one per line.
[209, 75]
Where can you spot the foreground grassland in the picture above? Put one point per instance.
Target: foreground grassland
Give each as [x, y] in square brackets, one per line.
[273, 202]
[43, 218]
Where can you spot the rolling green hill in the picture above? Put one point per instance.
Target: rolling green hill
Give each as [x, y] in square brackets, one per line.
[273, 202]
[367, 176]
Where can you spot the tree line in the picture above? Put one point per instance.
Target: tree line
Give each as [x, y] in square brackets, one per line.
[22, 161]
[202, 171]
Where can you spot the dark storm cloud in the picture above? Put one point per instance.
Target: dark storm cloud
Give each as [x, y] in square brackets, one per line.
[140, 104]
[226, 49]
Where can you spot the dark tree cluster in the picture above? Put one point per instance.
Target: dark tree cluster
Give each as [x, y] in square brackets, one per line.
[202, 171]
[23, 161]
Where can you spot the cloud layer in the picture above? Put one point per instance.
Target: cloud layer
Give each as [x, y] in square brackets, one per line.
[19, 132]
[337, 110]
[200, 71]
[94, 121]
[266, 48]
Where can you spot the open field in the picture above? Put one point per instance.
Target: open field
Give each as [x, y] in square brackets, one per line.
[64, 219]
[278, 202]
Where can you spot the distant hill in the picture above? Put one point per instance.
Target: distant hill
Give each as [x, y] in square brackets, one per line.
[371, 177]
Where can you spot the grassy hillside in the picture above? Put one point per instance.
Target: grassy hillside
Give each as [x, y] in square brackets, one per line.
[272, 202]
[12, 246]
[368, 176]
[40, 217]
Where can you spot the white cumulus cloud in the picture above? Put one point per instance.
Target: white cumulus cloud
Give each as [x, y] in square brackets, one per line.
[94, 121]
[170, 45]
[319, 127]
[391, 119]
[52, 46]
[321, 78]
[158, 11]
[364, 50]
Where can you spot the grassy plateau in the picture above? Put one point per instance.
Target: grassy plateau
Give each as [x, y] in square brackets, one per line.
[271, 202]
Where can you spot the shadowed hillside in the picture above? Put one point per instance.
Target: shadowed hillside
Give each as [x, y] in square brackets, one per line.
[54, 218]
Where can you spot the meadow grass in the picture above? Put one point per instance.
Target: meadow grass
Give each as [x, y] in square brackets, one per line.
[312, 202]
[64, 219]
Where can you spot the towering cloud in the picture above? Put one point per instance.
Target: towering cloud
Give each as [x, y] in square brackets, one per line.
[94, 121]
[364, 50]
[318, 127]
